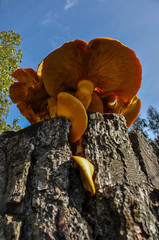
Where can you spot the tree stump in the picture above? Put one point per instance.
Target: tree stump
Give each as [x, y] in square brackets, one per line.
[42, 196]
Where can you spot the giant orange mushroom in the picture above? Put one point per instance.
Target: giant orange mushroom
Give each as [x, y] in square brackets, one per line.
[104, 66]
[103, 75]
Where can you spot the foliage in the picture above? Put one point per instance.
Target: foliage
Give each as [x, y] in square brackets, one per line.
[153, 120]
[140, 124]
[151, 124]
[10, 56]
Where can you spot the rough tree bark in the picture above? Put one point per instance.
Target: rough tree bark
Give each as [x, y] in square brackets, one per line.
[41, 194]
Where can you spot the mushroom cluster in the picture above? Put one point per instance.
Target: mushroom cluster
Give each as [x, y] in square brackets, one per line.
[101, 76]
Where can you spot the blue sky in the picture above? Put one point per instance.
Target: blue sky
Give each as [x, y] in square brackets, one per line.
[46, 24]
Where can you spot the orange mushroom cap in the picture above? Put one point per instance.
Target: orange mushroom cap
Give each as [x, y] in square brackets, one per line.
[114, 68]
[30, 95]
[26, 78]
[108, 64]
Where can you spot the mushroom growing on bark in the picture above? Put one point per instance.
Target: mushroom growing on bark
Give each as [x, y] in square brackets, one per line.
[86, 172]
[103, 75]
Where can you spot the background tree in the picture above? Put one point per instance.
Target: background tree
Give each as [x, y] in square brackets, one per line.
[153, 123]
[150, 124]
[153, 120]
[10, 56]
[140, 124]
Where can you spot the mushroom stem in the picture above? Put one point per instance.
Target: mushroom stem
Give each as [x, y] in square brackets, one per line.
[84, 92]
[96, 104]
[52, 106]
[79, 147]
[70, 107]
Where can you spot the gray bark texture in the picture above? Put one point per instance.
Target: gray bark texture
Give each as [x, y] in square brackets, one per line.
[42, 196]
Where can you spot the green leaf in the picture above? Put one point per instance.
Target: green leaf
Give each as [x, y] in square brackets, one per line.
[10, 57]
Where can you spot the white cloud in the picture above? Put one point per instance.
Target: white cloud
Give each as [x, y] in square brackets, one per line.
[52, 20]
[69, 4]
[48, 19]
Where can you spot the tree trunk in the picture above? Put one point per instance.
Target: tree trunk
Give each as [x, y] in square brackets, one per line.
[42, 196]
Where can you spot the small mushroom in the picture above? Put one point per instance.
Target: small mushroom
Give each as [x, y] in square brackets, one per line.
[27, 78]
[29, 95]
[70, 107]
[131, 111]
[86, 171]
